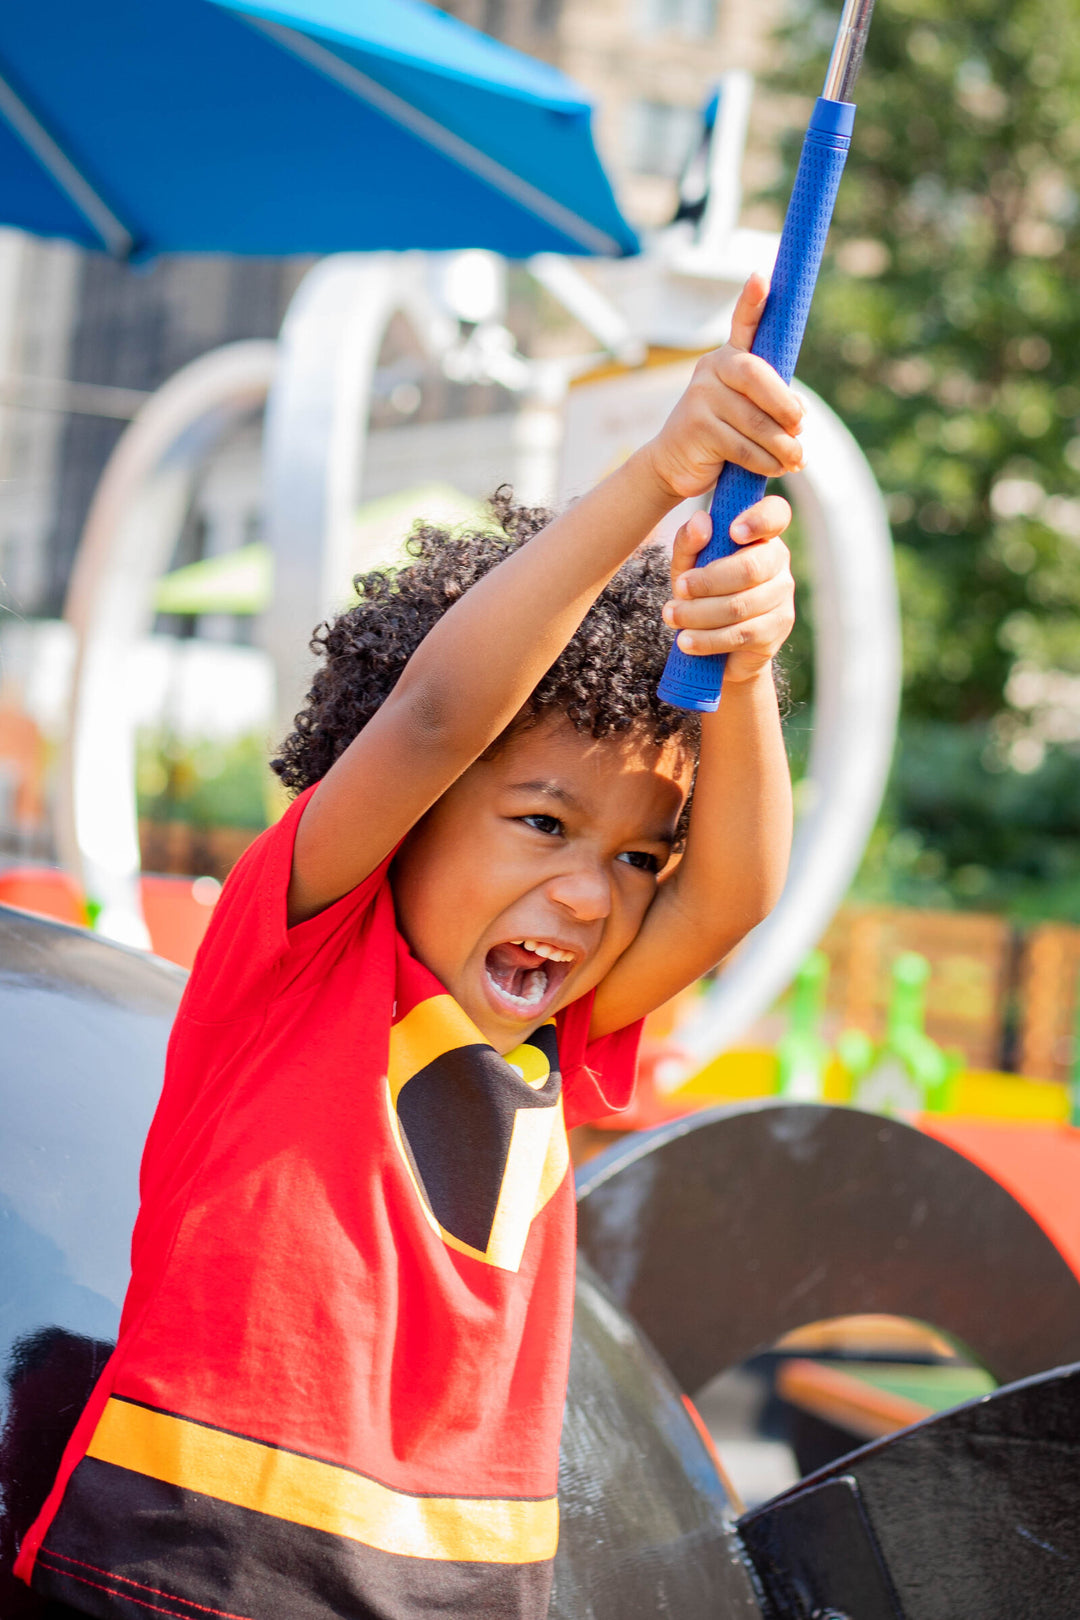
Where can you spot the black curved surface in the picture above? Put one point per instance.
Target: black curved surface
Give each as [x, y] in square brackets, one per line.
[969, 1516]
[721, 1232]
[643, 1530]
[84, 1027]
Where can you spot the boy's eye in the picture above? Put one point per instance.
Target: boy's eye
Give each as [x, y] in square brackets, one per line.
[551, 825]
[641, 859]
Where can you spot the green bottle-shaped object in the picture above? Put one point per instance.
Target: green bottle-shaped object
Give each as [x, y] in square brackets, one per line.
[909, 1073]
[802, 1055]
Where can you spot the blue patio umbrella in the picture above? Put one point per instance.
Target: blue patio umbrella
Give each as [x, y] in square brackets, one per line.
[306, 126]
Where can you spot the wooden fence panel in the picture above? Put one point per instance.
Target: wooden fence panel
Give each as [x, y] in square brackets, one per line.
[177, 847]
[971, 962]
[1049, 975]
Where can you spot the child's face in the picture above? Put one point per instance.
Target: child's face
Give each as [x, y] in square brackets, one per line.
[524, 884]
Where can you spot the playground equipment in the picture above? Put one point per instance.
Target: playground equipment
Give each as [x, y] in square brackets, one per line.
[905, 1072]
[127, 540]
[46, 890]
[908, 1073]
[802, 1057]
[702, 1243]
[319, 381]
[177, 909]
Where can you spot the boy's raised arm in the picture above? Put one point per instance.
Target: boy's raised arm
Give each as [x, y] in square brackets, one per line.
[477, 667]
[733, 868]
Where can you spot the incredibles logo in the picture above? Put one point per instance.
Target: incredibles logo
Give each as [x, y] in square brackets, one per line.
[482, 1136]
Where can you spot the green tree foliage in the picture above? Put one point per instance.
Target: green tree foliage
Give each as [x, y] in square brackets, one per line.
[203, 781]
[946, 332]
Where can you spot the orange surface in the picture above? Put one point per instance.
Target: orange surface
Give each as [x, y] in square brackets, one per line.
[22, 749]
[894, 1338]
[177, 909]
[838, 1397]
[44, 889]
[1038, 1164]
[177, 912]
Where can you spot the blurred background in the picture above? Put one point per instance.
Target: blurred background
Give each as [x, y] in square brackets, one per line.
[944, 333]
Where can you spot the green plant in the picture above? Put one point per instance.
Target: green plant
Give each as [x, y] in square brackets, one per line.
[206, 782]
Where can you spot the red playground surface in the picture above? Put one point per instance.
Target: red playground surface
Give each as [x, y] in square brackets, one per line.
[1038, 1164]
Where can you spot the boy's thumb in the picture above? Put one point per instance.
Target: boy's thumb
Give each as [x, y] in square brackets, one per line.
[748, 311]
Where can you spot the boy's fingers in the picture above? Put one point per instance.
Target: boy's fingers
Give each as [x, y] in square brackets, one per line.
[756, 381]
[716, 612]
[762, 521]
[779, 455]
[733, 397]
[766, 633]
[749, 566]
[748, 311]
[692, 536]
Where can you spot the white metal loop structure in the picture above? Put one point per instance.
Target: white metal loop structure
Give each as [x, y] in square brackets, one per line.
[316, 426]
[126, 543]
[315, 436]
[857, 670]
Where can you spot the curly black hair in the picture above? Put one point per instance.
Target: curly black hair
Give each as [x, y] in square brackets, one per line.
[603, 682]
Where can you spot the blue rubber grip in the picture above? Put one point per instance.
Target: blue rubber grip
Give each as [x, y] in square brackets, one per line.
[694, 682]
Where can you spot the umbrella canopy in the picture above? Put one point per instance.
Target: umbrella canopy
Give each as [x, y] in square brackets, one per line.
[306, 126]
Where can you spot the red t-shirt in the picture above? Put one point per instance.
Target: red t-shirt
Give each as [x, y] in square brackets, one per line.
[339, 1382]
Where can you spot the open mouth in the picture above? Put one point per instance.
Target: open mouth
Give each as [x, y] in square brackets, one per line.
[524, 974]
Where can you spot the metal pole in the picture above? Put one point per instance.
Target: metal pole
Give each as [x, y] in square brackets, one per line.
[847, 51]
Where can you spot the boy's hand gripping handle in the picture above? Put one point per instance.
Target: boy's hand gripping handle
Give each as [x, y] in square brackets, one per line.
[694, 682]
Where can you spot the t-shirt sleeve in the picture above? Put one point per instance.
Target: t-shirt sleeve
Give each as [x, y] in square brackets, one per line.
[250, 953]
[598, 1076]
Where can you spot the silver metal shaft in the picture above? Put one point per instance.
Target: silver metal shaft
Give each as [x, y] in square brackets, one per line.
[847, 53]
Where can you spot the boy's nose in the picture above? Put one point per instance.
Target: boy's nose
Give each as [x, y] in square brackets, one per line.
[584, 892]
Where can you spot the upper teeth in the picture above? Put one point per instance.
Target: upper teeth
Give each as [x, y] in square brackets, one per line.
[539, 948]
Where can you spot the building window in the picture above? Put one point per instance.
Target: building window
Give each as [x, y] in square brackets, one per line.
[690, 19]
[661, 137]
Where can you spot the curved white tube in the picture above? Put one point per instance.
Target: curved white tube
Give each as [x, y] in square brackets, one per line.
[125, 546]
[315, 439]
[857, 693]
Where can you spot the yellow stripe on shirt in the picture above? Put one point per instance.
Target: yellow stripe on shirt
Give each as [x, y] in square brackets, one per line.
[321, 1495]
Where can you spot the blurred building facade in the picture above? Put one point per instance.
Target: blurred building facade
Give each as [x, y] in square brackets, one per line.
[83, 341]
[38, 299]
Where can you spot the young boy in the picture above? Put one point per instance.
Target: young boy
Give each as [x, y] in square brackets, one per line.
[341, 1369]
